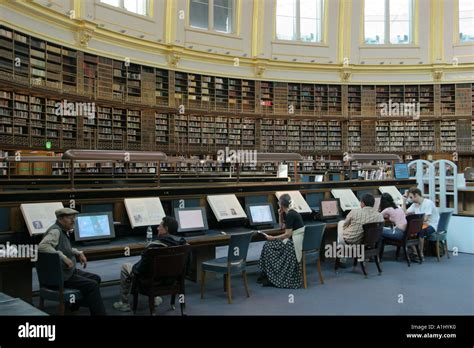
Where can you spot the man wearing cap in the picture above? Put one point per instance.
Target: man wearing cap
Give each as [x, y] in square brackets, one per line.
[56, 240]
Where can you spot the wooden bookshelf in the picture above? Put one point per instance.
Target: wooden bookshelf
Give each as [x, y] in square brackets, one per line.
[354, 100]
[426, 100]
[382, 140]
[382, 96]
[427, 136]
[447, 136]
[463, 136]
[162, 129]
[354, 136]
[368, 101]
[448, 100]
[266, 97]
[463, 99]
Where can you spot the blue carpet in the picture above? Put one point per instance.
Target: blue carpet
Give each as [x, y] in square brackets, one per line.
[433, 288]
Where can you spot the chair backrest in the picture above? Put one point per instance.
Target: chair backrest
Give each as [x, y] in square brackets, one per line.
[239, 247]
[313, 235]
[443, 223]
[414, 225]
[168, 262]
[48, 268]
[372, 234]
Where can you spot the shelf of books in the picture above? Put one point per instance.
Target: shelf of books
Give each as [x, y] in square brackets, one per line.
[463, 99]
[161, 87]
[369, 101]
[427, 136]
[354, 137]
[162, 129]
[354, 100]
[448, 100]
[266, 97]
[134, 129]
[463, 136]
[447, 137]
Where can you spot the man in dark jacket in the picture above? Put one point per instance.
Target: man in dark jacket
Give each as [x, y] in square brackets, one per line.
[56, 240]
[166, 231]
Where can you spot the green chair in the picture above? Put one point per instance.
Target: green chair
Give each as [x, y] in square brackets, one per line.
[441, 235]
[50, 277]
[313, 236]
[235, 262]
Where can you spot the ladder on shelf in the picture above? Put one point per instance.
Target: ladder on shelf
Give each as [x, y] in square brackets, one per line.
[435, 184]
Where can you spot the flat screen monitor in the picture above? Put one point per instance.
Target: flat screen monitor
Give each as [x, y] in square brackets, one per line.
[401, 171]
[260, 214]
[191, 219]
[94, 226]
[318, 178]
[329, 209]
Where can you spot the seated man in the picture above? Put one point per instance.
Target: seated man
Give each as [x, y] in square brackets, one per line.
[350, 231]
[56, 240]
[166, 238]
[425, 206]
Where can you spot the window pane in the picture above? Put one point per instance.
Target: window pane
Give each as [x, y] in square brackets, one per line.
[400, 10]
[199, 14]
[374, 32]
[400, 32]
[308, 8]
[308, 30]
[136, 6]
[374, 21]
[286, 28]
[286, 19]
[111, 2]
[466, 20]
[223, 15]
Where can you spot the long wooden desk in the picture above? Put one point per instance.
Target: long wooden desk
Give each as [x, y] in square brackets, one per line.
[203, 246]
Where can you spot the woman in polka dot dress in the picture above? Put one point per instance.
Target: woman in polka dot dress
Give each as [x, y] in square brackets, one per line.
[281, 255]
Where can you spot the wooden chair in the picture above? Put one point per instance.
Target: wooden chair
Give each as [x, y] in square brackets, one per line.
[371, 244]
[414, 226]
[165, 277]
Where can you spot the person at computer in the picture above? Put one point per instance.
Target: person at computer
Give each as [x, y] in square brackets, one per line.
[395, 214]
[350, 230]
[56, 240]
[167, 230]
[421, 205]
[281, 255]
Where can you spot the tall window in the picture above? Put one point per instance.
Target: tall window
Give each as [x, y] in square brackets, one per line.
[217, 15]
[136, 6]
[466, 20]
[299, 20]
[388, 21]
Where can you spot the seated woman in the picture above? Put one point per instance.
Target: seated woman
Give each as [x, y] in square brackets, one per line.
[281, 255]
[395, 214]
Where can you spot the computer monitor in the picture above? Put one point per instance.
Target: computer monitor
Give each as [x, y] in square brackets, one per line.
[318, 178]
[94, 226]
[260, 214]
[401, 171]
[191, 219]
[329, 209]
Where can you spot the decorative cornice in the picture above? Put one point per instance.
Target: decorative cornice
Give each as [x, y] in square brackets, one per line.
[438, 75]
[345, 75]
[260, 69]
[173, 60]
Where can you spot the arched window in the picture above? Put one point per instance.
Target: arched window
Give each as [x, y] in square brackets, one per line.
[217, 15]
[299, 20]
[466, 20]
[136, 6]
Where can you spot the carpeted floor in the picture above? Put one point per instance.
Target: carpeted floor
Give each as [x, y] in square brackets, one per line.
[432, 288]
